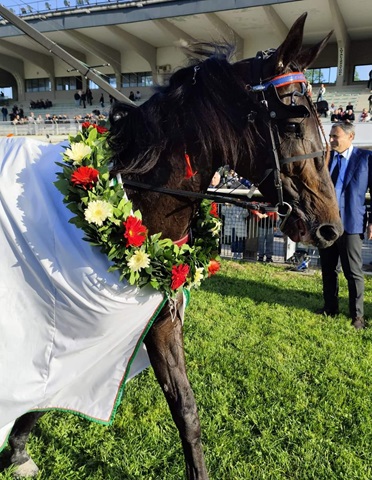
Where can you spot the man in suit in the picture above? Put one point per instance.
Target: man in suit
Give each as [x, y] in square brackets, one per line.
[351, 173]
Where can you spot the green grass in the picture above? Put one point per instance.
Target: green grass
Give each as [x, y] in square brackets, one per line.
[282, 393]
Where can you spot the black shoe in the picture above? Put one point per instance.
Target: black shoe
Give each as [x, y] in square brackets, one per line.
[358, 323]
[269, 260]
[327, 311]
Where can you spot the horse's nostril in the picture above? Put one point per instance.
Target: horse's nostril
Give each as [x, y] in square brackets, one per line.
[328, 232]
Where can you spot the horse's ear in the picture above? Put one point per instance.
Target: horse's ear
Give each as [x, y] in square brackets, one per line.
[306, 57]
[289, 50]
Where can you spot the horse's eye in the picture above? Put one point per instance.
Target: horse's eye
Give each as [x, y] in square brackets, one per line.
[291, 128]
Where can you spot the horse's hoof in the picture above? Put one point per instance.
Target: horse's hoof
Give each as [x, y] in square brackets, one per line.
[27, 469]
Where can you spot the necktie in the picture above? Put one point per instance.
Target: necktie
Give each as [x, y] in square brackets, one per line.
[336, 170]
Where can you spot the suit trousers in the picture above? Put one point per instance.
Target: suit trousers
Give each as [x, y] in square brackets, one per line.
[348, 250]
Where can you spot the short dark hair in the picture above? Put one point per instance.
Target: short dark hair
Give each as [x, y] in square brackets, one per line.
[345, 126]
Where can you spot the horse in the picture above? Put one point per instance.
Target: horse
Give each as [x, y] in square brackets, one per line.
[253, 114]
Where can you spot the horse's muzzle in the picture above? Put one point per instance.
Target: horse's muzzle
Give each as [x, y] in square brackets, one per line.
[327, 234]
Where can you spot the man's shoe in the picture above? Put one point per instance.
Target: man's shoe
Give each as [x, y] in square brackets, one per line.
[327, 311]
[358, 323]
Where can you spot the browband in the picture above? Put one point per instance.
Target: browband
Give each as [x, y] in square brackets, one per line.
[281, 81]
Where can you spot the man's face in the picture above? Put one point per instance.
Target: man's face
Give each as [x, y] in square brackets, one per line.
[339, 140]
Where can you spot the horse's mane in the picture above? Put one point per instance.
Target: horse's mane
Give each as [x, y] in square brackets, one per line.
[203, 109]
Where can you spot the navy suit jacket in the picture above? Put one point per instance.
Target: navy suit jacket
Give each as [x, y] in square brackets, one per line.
[357, 180]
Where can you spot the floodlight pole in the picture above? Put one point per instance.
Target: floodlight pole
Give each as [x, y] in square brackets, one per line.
[55, 49]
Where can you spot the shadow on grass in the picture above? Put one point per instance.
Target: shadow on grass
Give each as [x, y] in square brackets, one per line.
[287, 296]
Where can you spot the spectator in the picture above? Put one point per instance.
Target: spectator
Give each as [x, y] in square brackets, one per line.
[351, 173]
[138, 95]
[369, 84]
[89, 95]
[321, 92]
[364, 116]
[83, 99]
[336, 116]
[266, 224]
[370, 104]
[235, 225]
[131, 96]
[4, 112]
[102, 101]
[77, 99]
[349, 116]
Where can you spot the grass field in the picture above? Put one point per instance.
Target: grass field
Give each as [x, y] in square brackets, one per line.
[282, 393]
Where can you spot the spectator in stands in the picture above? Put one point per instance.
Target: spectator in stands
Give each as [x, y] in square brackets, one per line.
[266, 225]
[77, 99]
[349, 106]
[321, 92]
[83, 99]
[131, 96]
[369, 84]
[351, 173]
[89, 95]
[349, 116]
[332, 109]
[4, 112]
[364, 116]
[370, 104]
[102, 101]
[31, 124]
[309, 89]
[336, 116]
[138, 95]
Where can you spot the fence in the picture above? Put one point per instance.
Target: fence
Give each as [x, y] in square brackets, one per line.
[243, 234]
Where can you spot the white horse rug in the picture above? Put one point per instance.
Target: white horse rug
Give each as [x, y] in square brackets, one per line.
[70, 333]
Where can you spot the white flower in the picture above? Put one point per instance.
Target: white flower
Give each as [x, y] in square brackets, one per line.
[97, 211]
[138, 261]
[77, 152]
[198, 277]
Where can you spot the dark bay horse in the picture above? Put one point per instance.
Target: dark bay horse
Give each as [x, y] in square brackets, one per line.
[254, 115]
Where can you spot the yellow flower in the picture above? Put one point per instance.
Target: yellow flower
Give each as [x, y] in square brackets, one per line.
[138, 261]
[97, 211]
[198, 277]
[77, 152]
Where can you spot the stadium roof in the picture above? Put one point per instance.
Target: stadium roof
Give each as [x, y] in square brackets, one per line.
[142, 27]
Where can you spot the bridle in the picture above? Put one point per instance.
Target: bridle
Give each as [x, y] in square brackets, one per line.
[270, 108]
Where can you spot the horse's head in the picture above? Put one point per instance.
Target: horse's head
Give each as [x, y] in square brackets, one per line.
[290, 164]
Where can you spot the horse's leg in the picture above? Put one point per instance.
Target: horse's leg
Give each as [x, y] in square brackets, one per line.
[21, 430]
[164, 343]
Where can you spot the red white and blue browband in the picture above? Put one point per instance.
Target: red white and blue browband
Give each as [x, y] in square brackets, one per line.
[281, 81]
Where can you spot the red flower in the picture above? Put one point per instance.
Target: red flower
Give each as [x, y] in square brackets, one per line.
[135, 232]
[85, 176]
[179, 274]
[85, 125]
[213, 267]
[101, 129]
[214, 211]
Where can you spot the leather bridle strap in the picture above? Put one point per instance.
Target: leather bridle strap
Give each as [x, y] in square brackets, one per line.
[217, 197]
[297, 158]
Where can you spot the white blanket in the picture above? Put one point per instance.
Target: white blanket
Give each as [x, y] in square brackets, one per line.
[70, 333]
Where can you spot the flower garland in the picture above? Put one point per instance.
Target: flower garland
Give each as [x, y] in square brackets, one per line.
[103, 212]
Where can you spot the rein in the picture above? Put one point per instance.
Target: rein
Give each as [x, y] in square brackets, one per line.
[216, 197]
